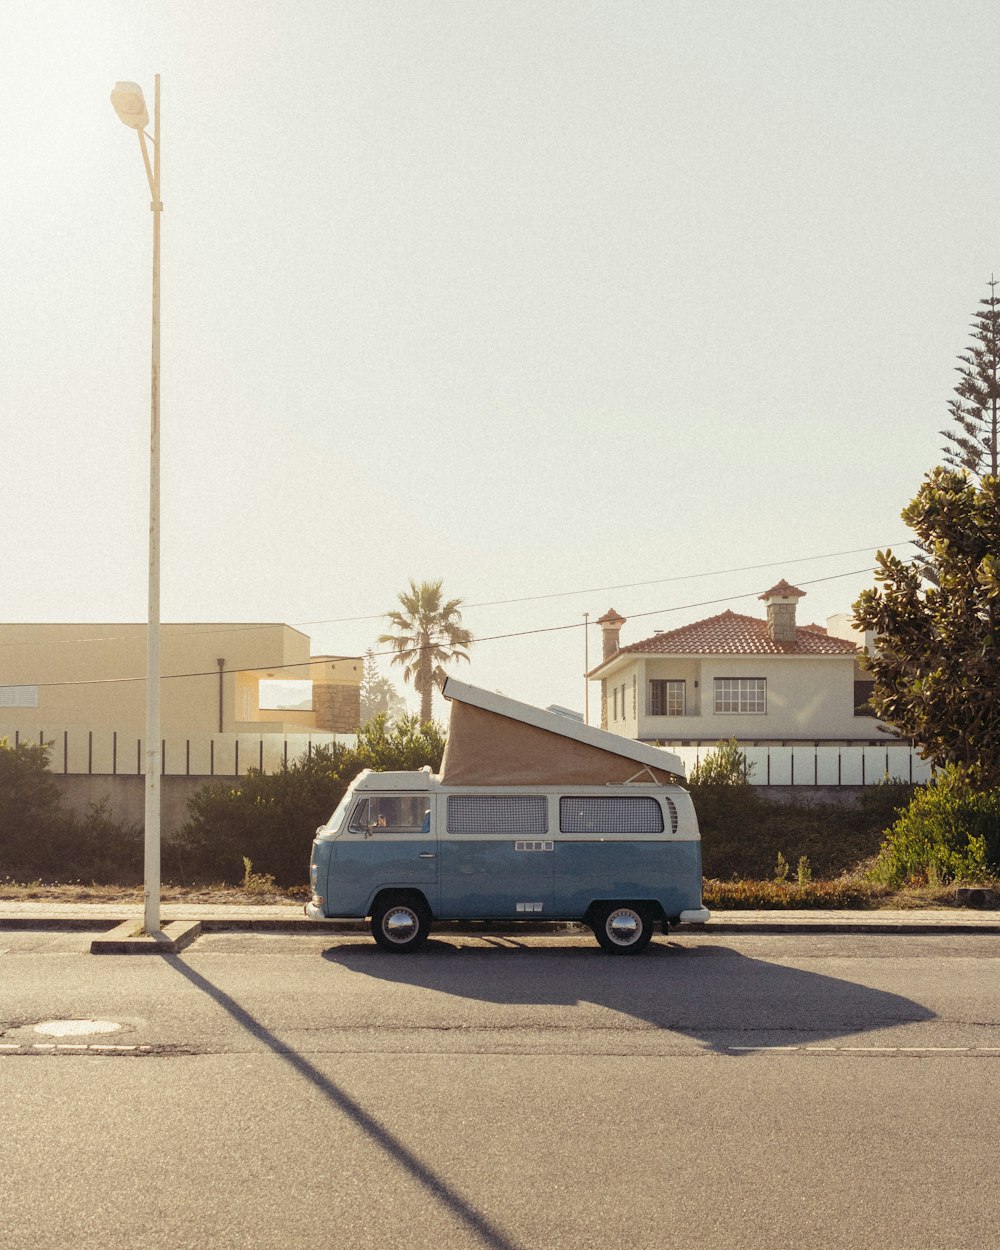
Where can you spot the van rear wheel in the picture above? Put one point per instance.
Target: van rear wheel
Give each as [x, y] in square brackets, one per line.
[400, 924]
[622, 928]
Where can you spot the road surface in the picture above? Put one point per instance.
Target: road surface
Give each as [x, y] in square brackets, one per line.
[273, 1090]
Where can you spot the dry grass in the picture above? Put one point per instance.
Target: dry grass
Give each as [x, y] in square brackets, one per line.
[846, 892]
[82, 892]
[849, 892]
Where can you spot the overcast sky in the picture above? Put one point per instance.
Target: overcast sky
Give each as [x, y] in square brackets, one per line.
[544, 299]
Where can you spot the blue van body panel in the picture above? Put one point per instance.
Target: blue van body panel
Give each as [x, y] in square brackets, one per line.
[488, 879]
[666, 872]
[358, 867]
[488, 875]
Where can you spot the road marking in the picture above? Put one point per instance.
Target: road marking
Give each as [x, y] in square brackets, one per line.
[766, 1049]
[938, 1050]
[868, 1050]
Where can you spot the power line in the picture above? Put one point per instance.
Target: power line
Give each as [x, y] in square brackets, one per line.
[522, 633]
[659, 581]
[558, 594]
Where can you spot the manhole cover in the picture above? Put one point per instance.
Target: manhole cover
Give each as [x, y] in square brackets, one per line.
[75, 1028]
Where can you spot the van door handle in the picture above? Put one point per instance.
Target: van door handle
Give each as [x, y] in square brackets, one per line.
[427, 855]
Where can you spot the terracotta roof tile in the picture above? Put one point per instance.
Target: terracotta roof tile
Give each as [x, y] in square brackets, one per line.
[729, 633]
[784, 590]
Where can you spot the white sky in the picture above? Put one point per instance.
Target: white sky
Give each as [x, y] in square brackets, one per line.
[535, 297]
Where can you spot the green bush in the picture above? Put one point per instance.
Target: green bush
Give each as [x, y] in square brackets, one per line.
[949, 832]
[270, 818]
[743, 831]
[724, 765]
[39, 836]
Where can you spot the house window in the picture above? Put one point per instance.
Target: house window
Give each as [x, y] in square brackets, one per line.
[667, 698]
[863, 691]
[285, 695]
[741, 694]
[18, 696]
[614, 703]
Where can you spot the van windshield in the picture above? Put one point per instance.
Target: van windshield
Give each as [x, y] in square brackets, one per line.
[337, 819]
[391, 813]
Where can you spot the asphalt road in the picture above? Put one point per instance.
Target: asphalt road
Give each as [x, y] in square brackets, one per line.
[774, 1091]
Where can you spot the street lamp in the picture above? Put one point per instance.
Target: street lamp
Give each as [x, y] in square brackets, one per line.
[130, 106]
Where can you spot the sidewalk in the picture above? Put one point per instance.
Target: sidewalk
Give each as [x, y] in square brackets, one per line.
[289, 917]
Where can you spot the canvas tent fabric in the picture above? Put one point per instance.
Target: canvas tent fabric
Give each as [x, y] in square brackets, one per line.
[493, 740]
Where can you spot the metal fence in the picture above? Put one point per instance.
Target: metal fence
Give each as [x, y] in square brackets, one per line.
[107, 752]
[823, 765]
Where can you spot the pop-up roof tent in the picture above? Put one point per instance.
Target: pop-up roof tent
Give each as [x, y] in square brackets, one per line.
[495, 741]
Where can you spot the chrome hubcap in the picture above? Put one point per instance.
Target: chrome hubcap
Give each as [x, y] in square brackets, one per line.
[400, 924]
[623, 926]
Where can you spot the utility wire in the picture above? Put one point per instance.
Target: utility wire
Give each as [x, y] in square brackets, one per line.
[522, 633]
[491, 603]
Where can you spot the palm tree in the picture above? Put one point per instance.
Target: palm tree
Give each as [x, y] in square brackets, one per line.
[425, 635]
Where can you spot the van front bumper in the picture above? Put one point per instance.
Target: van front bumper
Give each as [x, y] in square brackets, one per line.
[314, 912]
[695, 915]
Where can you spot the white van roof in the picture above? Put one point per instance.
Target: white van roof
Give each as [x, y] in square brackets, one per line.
[494, 740]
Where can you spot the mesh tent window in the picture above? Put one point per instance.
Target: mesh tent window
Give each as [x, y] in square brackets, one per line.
[493, 813]
[610, 815]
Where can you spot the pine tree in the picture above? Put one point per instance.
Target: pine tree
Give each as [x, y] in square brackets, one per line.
[378, 694]
[937, 649]
[974, 447]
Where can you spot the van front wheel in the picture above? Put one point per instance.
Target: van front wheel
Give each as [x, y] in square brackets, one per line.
[400, 924]
[622, 928]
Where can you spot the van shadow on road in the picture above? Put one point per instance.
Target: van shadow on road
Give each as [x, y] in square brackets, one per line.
[712, 994]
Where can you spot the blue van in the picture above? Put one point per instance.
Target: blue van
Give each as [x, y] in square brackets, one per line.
[406, 849]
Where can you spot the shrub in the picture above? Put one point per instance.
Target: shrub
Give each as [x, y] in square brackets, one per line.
[724, 765]
[743, 831]
[39, 836]
[270, 818]
[949, 832]
[30, 802]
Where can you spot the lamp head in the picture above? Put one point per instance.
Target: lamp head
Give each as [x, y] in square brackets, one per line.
[129, 105]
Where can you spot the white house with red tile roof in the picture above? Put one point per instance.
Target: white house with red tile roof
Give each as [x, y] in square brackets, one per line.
[762, 681]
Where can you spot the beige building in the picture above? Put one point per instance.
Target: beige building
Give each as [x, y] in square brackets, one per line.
[217, 678]
[767, 682]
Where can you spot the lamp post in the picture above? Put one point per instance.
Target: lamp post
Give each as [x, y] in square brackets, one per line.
[130, 106]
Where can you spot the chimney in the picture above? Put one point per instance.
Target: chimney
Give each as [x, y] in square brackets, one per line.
[611, 626]
[781, 600]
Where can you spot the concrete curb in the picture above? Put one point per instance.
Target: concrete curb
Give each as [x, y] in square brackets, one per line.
[118, 923]
[124, 940]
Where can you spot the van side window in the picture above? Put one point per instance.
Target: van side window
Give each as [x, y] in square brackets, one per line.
[395, 813]
[610, 815]
[493, 813]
